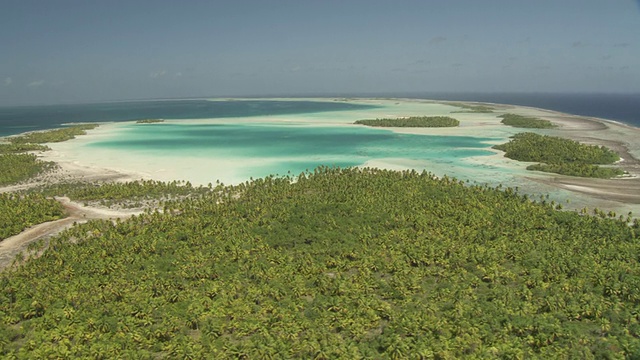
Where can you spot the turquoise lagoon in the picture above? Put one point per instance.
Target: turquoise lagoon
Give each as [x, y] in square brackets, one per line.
[258, 139]
[237, 152]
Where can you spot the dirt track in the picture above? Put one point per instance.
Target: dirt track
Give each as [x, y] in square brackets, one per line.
[77, 213]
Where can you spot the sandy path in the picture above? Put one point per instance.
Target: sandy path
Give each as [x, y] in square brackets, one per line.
[77, 213]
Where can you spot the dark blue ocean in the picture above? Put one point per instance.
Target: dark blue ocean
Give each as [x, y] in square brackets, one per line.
[624, 108]
[14, 120]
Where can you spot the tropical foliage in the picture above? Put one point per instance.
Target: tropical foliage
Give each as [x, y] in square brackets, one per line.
[337, 264]
[525, 121]
[22, 211]
[10, 148]
[133, 193]
[413, 121]
[15, 168]
[149, 121]
[550, 149]
[49, 136]
[578, 169]
[562, 156]
[468, 108]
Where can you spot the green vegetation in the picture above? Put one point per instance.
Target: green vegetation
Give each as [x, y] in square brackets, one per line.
[49, 136]
[562, 156]
[413, 121]
[149, 121]
[468, 108]
[338, 264]
[15, 168]
[10, 148]
[19, 212]
[525, 121]
[126, 194]
[577, 169]
[550, 149]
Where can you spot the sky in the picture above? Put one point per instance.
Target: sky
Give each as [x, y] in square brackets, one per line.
[74, 51]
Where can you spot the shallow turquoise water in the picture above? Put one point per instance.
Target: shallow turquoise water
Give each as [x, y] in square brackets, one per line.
[290, 148]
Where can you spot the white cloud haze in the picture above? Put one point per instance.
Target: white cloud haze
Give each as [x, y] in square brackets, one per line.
[157, 74]
[36, 83]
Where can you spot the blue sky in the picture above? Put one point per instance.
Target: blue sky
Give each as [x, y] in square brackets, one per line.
[57, 51]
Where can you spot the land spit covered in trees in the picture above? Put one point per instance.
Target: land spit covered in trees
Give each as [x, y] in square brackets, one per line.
[357, 263]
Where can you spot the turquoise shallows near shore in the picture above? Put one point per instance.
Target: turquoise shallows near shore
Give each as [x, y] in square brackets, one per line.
[262, 149]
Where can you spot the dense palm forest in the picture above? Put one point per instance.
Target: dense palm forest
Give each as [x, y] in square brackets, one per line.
[123, 194]
[20, 211]
[412, 121]
[562, 156]
[578, 169]
[525, 121]
[338, 264]
[15, 168]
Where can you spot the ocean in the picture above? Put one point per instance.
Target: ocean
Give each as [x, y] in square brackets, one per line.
[14, 120]
[624, 108]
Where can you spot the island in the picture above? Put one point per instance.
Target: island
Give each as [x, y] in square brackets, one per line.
[149, 121]
[526, 121]
[412, 121]
[561, 156]
[471, 108]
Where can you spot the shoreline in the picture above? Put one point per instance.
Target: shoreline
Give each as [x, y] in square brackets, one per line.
[616, 135]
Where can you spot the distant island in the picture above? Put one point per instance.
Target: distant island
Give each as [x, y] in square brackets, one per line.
[526, 122]
[470, 108]
[149, 121]
[412, 121]
[561, 156]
